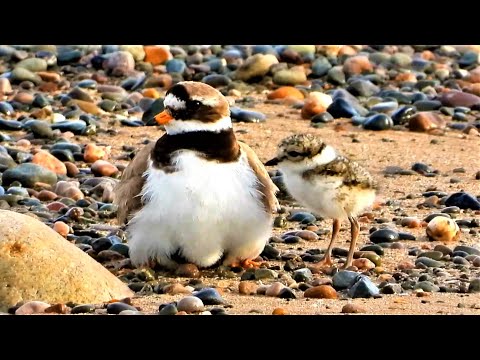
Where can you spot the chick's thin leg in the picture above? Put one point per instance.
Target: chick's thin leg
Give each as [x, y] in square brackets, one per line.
[354, 231]
[327, 260]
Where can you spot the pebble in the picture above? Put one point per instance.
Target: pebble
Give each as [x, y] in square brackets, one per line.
[83, 309]
[303, 275]
[190, 304]
[289, 77]
[118, 307]
[255, 66]
[5, 107]
[175, 66]
[351, 308]
[28, 174]
[187, 270]
[344, 279]
[10, 125]
[426, 286]
[302, 217]
[429, 262]
[363, 288]
[474, 286]
[320, 66]
[361, 87]
[20, 74]
[384, 235]
[385, 107]
[61, 228]
[168, 309]
[104, 168]
[463, 200]
[390, 289]
[209, 296]
[217, 80]
[363, 264]
[336, 76]
[303, 234]
[176, 288]
[50, 162]
[247, 288]
[374, 248]
[286, 293]
[460, 260]
[322, 118]
[5, 86]
[242, 115]
[94, 152]
[286, 92]
[261, 274]
[32, 307]
[468, 249]
[340, 108]
[378, 122]
[274, 289]
[279, 311]
[315, 103]
[426, 121]
[442, 229]
[435, 255]
[321, 292]
[57, 309]
[456, 98]
[356, 65]
[77, 127]
[130, 312]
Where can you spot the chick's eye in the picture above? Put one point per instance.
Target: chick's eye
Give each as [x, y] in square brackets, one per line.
[294, 153]
[196, 103]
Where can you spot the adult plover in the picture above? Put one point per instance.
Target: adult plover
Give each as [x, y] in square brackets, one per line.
[329, 184]
[197, 195]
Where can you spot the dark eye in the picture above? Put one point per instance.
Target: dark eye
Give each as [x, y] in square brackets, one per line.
[196, 103]
[294, 153]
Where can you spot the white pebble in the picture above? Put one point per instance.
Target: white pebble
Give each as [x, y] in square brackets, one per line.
[130, 312]
[190, 304]
[442, 229]
[274, 289]
[58, 118]
[32, 307]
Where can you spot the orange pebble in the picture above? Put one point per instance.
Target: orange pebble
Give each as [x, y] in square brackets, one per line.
[279, 311]
[61, 228]
[151, 93]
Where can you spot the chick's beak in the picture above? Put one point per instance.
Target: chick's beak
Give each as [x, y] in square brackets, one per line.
[272, 162]
[163, 118]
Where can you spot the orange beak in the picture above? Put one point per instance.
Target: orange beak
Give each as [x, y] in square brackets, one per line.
[163, 118]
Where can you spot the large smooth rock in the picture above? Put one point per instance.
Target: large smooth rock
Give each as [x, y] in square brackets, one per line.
[256, 66]
[38, 264]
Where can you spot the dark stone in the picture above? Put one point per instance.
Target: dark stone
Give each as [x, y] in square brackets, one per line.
[463, 200]
[341, 108]
[118, 307]
[242, 115]
[378, 122]
[363, 288]
[322, 118]
[384, 235]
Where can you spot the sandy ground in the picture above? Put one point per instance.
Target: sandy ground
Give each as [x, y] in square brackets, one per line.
[375, 151]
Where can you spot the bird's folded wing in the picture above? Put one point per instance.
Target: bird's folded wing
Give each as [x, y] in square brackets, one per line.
[127, 192]
[351, 173]
[267, 187]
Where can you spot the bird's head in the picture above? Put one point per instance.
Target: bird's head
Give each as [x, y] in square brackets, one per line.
[302, 151]
[194, 106]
